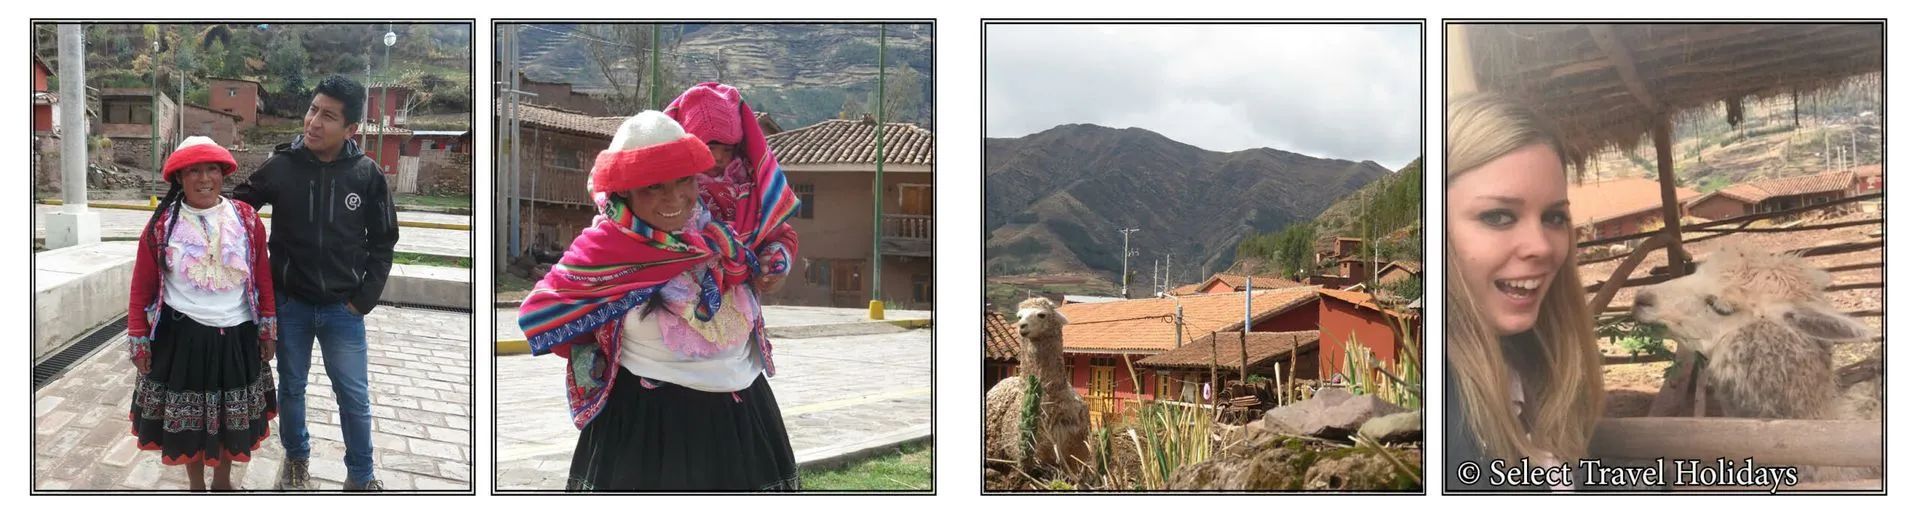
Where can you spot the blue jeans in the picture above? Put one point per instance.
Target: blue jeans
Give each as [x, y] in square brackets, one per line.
[343, 342]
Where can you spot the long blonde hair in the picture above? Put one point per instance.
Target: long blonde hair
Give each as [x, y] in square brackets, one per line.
[1559, 366]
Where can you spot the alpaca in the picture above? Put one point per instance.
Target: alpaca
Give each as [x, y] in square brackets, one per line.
[1763, 322]
[1060, 433]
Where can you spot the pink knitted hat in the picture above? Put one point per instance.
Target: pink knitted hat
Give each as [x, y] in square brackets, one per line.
[710, 111]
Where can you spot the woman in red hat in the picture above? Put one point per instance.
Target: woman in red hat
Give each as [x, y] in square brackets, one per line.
[654, 309]
[200, 322]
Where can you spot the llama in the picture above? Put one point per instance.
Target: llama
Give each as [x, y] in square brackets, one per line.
[1060, 432]
[1763, 322]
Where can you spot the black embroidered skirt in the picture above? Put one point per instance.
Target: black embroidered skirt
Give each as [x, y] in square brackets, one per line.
[207, 396]
[671, 438]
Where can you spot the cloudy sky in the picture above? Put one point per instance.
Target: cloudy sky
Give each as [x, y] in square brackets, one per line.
[1337, 91]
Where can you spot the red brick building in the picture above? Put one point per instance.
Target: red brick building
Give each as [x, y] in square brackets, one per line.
[43, 97]
[1618, 206]
[384, 144]
[557, 148]
[238, 97]
[1351, 317]
[387, 104]
[456, 141]
[1101, 339]
[830, 165]
[128, 118]
[222, 127]
[1783, 193]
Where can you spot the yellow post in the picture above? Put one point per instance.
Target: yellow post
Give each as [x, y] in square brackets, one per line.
[876, 310]
[153, 202]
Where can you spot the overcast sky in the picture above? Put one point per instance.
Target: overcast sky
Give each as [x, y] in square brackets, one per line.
[1338, 91]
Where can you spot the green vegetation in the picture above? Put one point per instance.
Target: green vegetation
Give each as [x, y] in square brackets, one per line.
[909, 468]
[1290, 249]
[422, 200]
[421, 259]
[286, 59]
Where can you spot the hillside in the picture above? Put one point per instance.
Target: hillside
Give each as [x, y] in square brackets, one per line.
[286, 59]
[1055, 200]
[798, 73]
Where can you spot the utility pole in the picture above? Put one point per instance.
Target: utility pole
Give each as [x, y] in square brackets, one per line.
[74, 224]
[653, 56]
[513, 114]
[1246, 325]
[386, 91]
[153, 116]
[1126, 252]
[876, 309]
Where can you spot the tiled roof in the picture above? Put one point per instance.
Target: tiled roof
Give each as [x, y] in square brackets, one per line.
[1262, 349]
[1410, 266]
[1758, 191]
[370, 129]
[1002, 341]
[1605, 200]
[1353, 297]
[1146, 325]
[231, 79]
[1239, 283]
[563, 120]
[851, 142]
[1870, 170]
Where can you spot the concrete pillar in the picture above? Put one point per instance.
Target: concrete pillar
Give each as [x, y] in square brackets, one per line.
[73, 225]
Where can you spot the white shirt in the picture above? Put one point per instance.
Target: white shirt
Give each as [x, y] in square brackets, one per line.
[645, 353]
[202, 281]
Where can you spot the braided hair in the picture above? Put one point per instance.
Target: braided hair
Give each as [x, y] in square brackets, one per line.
[169, 209]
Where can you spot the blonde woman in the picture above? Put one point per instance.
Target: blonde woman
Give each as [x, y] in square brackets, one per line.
[1522, 369]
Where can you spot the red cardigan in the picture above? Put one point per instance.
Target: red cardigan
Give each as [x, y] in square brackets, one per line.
[146, 298]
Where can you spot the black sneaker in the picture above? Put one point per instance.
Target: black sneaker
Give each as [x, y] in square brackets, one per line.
[371, 485]
[293, 475]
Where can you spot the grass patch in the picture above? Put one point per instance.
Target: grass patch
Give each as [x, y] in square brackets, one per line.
[419, 200]
[504, 282]
[907, 469]
[421, 259]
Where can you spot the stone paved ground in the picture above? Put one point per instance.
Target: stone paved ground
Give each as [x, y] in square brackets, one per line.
[833, 391]
[435, 241]
[506, 319]
[422, 408]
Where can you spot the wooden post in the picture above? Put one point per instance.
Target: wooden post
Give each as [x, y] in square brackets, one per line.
[1669, 200]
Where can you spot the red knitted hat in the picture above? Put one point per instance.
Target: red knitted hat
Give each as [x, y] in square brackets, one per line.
[197, 150]
[649, 148]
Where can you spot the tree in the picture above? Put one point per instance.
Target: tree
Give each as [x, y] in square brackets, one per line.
[621, 53]
[287, 62]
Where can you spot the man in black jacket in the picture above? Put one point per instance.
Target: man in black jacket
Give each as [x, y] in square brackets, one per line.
[331, 248]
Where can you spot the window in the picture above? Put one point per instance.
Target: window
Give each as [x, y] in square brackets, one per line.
[805, 192]
[820, 272]
[233, 92]
[566, 158]
[1162, 386]
[916, 199]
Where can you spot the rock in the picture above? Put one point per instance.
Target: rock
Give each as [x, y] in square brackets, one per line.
[1402, 427]
[1331, 414]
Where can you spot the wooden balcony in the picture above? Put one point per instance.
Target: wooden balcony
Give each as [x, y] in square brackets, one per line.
[907, 235]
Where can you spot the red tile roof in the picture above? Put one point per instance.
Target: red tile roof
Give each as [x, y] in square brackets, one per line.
[851, 142]
[1239, 283]
[551, 118]
[1146, 325]
[1002, 341]
[1758, 191]
[1606, 200]
[1263, 348]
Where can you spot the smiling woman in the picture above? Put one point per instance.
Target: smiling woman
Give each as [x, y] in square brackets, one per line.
[1523, 373]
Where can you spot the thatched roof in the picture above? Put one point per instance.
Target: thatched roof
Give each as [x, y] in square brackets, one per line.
[1600, 85]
